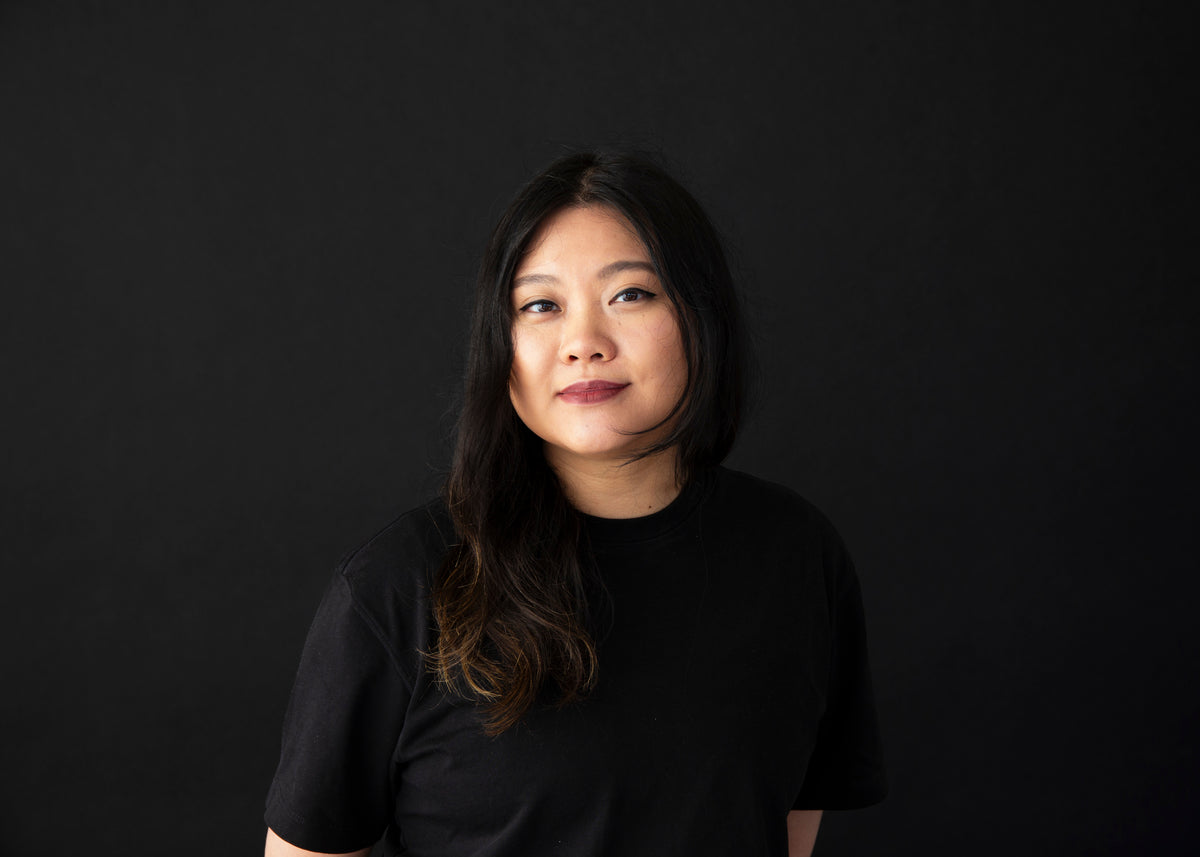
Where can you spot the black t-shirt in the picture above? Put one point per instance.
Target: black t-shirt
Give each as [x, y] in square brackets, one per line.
[733, 687]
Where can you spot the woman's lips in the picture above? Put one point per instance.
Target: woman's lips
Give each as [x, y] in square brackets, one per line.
[591, 392]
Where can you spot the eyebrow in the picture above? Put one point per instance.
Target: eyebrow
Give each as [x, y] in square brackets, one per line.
[607, 272]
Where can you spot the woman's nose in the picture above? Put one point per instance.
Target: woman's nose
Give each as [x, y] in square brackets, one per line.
[586, 337]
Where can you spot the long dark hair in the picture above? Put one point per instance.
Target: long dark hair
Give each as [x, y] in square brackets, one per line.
[510, 598]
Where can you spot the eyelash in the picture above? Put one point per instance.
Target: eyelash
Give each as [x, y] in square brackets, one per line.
[529, 306]
[642, 294]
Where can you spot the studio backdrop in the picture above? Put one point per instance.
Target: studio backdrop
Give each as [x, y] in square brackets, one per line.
[236, 255]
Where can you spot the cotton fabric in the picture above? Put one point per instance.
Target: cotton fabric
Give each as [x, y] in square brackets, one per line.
[734, 686]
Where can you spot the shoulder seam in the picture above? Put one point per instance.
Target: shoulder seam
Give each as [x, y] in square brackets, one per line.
[377, 633]
[344, 572]
[426, 508]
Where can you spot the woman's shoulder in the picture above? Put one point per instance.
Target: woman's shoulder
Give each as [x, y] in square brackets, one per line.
[753, 495]
[402, 555]
[744, 504]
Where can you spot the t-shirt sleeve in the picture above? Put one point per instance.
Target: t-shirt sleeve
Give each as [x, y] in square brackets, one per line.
[846, 768]
[332, 789]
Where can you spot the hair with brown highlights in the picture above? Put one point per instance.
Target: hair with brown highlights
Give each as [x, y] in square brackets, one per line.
[510, 599]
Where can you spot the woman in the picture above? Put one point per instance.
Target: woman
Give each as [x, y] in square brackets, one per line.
[599, 642]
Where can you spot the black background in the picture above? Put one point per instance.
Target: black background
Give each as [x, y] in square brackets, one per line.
[236, 249]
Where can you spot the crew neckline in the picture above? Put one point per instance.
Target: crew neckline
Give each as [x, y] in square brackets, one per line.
[611, 531]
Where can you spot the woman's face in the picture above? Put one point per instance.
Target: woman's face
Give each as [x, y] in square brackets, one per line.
[597, 351]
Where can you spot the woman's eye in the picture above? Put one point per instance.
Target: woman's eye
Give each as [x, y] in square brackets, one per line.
[539, 306]
[632, 295]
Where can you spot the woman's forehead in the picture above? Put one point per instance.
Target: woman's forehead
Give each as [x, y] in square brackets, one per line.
[594, 235]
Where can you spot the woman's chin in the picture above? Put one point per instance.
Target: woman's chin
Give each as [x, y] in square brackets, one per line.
[614, 449]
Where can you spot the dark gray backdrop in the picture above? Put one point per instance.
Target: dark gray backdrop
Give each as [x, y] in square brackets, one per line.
[236, 245]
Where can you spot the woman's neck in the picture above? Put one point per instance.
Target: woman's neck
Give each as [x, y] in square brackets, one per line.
[619, 489]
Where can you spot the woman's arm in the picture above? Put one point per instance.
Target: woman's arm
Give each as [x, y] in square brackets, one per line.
[276, 847]
[802, 831]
